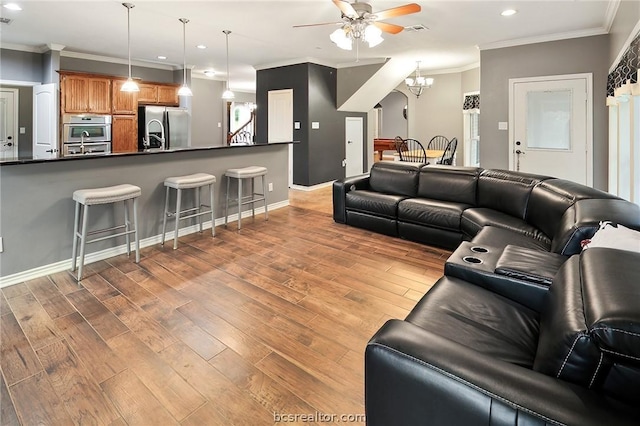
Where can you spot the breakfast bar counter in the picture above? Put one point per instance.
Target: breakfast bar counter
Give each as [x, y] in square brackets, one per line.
[36, 221]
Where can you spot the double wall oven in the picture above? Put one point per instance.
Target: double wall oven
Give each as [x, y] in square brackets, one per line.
[86, 135]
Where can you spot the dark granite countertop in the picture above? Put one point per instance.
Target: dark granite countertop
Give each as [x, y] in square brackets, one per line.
[31, 160]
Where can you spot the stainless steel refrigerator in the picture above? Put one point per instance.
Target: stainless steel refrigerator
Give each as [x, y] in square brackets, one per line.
[176, 123]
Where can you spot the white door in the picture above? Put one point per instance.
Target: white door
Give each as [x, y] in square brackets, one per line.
[551, 130]
[280, 121]
[354, 141]
[45, 121]
[8, 124]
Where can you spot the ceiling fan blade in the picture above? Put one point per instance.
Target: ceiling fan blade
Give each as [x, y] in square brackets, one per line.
[397, 11]
[389, 28]
[346, 8]
[315, 25]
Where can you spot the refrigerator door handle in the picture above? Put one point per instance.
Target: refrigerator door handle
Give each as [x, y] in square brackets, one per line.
[167, 130]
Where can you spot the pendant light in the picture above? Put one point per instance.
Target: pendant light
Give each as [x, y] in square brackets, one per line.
[129, 85]
[184, 90]
[228, 94]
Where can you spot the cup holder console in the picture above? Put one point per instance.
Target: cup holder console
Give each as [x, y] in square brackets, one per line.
[471, 259]
[478, 249]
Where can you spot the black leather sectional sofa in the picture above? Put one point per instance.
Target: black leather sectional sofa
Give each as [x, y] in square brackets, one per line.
[523, 328]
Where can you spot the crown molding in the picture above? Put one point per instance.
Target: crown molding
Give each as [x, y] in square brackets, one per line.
[23, 47]
[463, 68]
[100, 58]
[361, 62]
[610, 14]
[544, 38]
[634, 33]
[297, 61]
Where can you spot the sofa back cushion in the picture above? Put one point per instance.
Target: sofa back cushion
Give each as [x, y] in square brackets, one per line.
[566, 350]
[590, 324]
[395, 177]
[551, 198]
[506, 191]
[447, 183]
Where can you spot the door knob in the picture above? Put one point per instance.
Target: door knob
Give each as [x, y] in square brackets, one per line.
[9, 144]
[519, 152]
[349, 141]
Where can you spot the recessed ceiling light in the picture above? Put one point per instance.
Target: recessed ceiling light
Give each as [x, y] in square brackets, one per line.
[201, 46]
[209, 73]
[162, 57]
[12, 6]
[509, 12]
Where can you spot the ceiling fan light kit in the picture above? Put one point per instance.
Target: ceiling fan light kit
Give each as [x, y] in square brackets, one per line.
[360, 23]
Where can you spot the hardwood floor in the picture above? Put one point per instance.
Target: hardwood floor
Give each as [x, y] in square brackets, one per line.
[237, 329]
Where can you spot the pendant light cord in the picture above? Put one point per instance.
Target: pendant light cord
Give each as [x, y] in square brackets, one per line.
[129, 37]
[227, 32]
[184, 51]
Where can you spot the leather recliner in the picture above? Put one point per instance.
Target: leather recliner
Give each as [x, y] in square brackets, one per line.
[466, 355]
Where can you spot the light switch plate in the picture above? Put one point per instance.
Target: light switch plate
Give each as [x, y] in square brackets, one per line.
[296, 125]
[503, 125]
[315, 124]
[23, 130]
[219, 124]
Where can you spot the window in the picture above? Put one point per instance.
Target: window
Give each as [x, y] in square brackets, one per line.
[471, 118]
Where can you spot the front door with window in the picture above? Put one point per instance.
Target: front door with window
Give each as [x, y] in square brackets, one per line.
[550, 127]
[8, 124]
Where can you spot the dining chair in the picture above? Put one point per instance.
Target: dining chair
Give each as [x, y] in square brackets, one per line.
[438, 143]
[449, 152]
[413, 151]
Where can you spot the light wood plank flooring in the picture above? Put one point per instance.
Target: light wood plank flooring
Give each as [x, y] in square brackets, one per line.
[225, 330]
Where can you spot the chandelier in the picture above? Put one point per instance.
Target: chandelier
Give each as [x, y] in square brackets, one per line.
[418, 84]
[356, 30]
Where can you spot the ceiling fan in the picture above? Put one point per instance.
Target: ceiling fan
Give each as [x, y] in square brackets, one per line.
[359, 22]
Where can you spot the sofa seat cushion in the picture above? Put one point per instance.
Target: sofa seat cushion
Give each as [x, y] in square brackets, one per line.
[439, 214]
[474, 219]
[384, 205]
[500, 237]
[479, 319]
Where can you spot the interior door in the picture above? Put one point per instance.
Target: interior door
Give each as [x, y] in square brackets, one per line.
[45, 121]
[8, 124]
[280, 121]
[551, 133]
[354, 141]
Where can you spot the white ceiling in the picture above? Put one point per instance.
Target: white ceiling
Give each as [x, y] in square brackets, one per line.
[263, 33]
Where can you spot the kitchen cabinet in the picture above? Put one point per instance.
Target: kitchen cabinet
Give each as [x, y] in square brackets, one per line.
[85, 94]
[124, 133]
[158, 94]
[123, 102]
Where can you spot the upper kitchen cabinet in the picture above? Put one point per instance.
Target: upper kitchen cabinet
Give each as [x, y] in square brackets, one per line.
[158, 94]
[123, 102]
[84, 93]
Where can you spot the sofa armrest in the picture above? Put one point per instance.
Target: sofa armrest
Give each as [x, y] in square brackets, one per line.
[413, 376]
[582, 219]
[340, 189]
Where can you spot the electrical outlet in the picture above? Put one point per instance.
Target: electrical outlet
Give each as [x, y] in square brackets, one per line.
[270, 186]
[1, 245]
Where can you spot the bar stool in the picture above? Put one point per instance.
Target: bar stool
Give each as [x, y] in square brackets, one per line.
[251, 173]
[107, 195]
[194, 181]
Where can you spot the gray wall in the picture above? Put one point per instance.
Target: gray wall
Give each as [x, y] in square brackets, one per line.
[393, 121]
[579, 55]
[626, 19]
[21, 66]
[207, 111]
[44, 190]
[318, 157]
[352, 78]
[471, 80]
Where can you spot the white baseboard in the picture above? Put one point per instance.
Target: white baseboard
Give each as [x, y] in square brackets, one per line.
[312, 187]
[65, 265]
